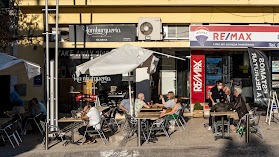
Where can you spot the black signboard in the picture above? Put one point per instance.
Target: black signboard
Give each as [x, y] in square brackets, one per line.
[102, 33]
[261, 76]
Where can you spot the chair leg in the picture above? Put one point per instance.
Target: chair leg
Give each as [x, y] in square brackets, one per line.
[18, 136]
[83, 139]
[112, 124]
[147, 141]
[15, 139]
[116, 123]
[181, 124]
[184, 121]
[25, 124]
[166, 133]
[3, 138]
[177, 125]
[43, 142]
[39, 127]
[9, 138]
[101, 136]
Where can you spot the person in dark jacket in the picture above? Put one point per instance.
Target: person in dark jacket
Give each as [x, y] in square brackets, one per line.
[239, 105]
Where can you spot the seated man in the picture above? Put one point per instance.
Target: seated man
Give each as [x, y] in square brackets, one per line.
[42, 107]
[228, 96]
[139, 103]
[239, 105]
[125, 104]
[94, 122]
[14, 97]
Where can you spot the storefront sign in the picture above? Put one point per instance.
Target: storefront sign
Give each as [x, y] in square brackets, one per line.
[84, 53]
[86, 78]
[103, 33]
[261, 76]
[234, 36]
[197, 74]
[81, 96]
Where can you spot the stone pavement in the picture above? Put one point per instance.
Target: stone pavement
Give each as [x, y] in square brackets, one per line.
[194, 141]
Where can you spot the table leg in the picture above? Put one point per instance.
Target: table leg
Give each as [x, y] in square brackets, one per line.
[223, 127]
[139, 132]
[72, 132]
[247, 129]
[147, 128]
[229, 123]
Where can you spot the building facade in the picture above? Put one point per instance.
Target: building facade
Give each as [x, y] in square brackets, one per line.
[90, 28]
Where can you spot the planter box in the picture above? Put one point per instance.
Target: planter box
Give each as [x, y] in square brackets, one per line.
[198, 113]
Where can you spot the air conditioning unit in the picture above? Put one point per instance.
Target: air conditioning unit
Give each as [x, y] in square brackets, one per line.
[150, 28]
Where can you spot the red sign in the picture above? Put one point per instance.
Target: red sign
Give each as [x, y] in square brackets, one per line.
[81, 96]
[197, 78]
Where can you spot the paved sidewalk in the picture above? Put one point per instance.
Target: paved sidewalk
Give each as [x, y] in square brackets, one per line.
[194, 141]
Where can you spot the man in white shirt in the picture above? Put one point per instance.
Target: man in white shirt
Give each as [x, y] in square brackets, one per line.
[94, 122]
[139, 103]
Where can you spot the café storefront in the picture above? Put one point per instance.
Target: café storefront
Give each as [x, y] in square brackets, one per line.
[221, 53]
[171, 74]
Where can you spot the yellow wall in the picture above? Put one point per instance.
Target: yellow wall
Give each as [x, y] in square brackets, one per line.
[153, 2]
[31, 49]
[167, 14]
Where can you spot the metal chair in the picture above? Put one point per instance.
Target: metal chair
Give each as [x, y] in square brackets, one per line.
[112, 118]
[97, 131]
[125, 122]
[11, 131]
[133, 123]
[52, 129]
[178, 120]
[35, 120]
[254, 119]
[181, 116]
[159, 126]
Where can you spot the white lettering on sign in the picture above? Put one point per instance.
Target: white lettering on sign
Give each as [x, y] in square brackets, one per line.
[101, 31]
[197, 78]
[103, 79]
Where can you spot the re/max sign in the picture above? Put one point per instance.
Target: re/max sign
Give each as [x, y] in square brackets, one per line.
[232, 36]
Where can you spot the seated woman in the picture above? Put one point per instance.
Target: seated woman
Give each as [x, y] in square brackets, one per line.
[175, 110]
[170, 103]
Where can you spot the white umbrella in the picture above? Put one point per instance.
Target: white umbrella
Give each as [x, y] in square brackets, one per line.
[122, 60]
[10, 65]
[119, 61]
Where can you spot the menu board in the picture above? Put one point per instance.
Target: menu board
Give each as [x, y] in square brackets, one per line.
[275, 76]
[275, 66]
[275, 84]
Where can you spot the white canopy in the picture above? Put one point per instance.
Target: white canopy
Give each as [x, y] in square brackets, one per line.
[10, 65]
[120, 61]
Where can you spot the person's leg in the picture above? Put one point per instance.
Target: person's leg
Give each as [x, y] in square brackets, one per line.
[82, 131]
[210, 121]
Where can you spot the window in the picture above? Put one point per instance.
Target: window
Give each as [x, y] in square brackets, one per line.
[176, 31]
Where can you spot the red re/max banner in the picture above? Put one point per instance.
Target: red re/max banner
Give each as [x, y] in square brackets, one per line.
[197, 78]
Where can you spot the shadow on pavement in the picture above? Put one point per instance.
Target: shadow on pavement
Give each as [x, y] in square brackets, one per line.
[255, 148]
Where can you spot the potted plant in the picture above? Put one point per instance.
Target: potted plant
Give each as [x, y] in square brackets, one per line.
[198, 109]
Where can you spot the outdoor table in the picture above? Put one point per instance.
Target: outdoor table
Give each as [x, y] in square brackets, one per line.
[148, 117]
[73, 121]
[222, 114]
[152, 109]
[4, 121]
